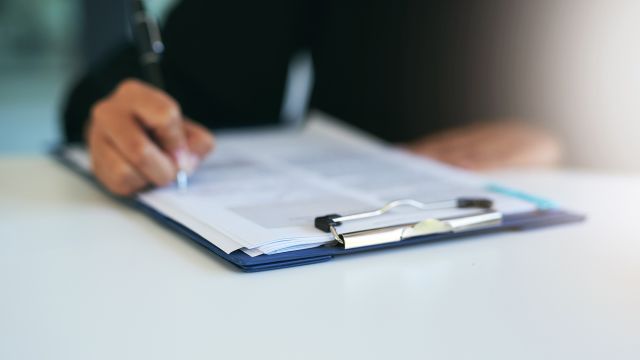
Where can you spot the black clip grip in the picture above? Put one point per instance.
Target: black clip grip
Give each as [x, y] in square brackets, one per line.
[324, 223]
[479, 203]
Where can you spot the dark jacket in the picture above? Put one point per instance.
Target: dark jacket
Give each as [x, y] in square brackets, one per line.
[398, 69]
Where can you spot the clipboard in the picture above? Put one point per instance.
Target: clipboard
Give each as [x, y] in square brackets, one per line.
[487, 222]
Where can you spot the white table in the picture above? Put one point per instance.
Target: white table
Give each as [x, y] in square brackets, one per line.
[83, 277]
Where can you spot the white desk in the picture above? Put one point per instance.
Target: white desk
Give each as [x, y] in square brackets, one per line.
[82, 277]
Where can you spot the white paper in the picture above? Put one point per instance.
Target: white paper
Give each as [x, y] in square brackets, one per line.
[261, 189]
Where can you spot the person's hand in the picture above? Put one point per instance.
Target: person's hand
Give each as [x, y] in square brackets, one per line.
[490, 146]
[138, 137]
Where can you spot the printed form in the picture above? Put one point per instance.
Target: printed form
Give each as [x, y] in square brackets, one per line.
[261, 190]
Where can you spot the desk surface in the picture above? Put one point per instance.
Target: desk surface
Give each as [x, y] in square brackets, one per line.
[83, 277]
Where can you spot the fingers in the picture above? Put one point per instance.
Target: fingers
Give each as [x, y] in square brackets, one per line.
[491, 146]
[454, 149]
[514, 145]
[132, 142]
[137, 137]
[199, 139]
[539, 149]
[112, 169]
[156, 110]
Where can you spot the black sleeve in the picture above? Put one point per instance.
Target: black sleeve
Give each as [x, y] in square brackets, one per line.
[94, 85]
[225, 62]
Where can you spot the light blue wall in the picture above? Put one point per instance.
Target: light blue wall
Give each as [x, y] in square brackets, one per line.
[38, 58]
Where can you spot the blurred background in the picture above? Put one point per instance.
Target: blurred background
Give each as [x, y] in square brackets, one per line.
[44, 46]
[575, 62]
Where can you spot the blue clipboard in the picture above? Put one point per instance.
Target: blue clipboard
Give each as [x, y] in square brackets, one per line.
[512, 222]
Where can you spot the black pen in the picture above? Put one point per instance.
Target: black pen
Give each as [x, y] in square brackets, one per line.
[150, 48]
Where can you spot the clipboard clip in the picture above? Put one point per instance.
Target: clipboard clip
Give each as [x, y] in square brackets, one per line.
[485, 218]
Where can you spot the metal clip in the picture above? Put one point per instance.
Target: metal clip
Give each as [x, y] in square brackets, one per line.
[355, 239]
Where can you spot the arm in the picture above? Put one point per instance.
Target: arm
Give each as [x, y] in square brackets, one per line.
[136, 133]
[225, 64]
[491, 145]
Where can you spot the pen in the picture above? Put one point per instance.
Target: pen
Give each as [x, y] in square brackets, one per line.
[150, 49]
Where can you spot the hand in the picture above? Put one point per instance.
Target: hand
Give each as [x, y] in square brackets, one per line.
[491, 146]
[137, 137]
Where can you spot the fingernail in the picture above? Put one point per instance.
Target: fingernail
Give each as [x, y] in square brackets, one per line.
[186, 160]
[194, 161]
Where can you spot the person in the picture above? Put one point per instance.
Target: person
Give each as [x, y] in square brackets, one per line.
[398, 69]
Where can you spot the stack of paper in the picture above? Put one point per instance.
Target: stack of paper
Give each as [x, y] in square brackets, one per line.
[260, 190]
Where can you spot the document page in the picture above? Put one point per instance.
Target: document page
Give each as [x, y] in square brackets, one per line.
[261, 190]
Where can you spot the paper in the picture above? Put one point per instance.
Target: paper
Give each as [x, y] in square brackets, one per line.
[261, 190]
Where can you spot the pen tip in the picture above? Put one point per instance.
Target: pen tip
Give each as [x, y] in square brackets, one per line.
[182, 180]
